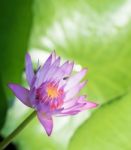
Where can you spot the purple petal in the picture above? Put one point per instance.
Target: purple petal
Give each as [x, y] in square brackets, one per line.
[32, 97]
[42, 71]
[52, 69]
[74, 91]
[63, 72]
[42, 107]
[54, 57]
[46, 69]
[74, 80]
[46, 121]
[29, 69]
[67, 67]
[58, 73]
[21, 93]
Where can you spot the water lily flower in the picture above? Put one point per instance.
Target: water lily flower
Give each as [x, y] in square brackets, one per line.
[53, 90]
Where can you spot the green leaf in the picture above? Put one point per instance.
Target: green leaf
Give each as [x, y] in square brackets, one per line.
[94, 35]
[15, 25]
[3, 105]
[108, 128]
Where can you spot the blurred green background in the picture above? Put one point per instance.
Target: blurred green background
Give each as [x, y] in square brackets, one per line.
[95, 34]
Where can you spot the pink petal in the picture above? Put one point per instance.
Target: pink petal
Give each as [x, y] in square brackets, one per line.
[89, 105]
[77, 107]
[74, 91]
[46, 121]
[72, 102]
[74, 80]
[68, 113]
[29, 69]
[21, 93]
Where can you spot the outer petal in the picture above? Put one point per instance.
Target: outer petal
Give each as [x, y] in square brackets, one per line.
[21, 93]
[73, 101]
[74, 91]
[68, 113]
[89, 105]
[77, 105]
[74, 80]
[46, 121]
[80, 106]
[29, 69]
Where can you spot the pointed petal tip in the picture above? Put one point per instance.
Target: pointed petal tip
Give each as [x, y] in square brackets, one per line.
[96, 105]
[27, 56]
[28, 59]
[84, 70]
[71, 63]
[48, 130]
[85, 82]
[91, 105]
[54, 51]
[21, 93]
[82, 84]
[53, 54]
[10, 85]
[46, 122]
[49, 133]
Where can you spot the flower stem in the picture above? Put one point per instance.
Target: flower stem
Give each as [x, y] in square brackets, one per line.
[9, 139]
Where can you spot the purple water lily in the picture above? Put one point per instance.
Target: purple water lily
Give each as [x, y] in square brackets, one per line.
[53, 90]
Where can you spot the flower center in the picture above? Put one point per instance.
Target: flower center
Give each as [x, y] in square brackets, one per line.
[52, 91]
[49, 95]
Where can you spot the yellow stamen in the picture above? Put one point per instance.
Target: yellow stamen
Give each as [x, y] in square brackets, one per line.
[52, 91]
